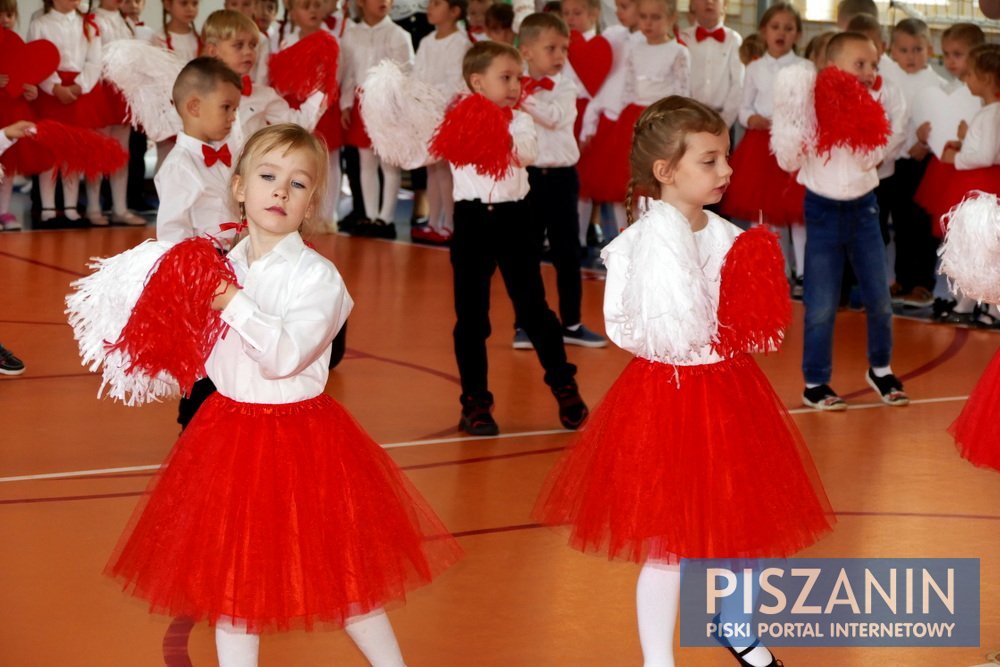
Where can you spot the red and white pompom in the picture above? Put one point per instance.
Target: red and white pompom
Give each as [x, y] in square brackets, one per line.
[970, 253]
[847, 116]
[76, 150]
[145, 75]
[476, 132]
[793, 126]
[307, 66]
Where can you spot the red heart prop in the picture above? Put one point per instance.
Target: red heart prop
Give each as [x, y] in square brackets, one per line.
[591, 60]
[29, 63]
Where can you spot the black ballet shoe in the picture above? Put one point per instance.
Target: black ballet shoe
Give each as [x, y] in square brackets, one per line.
[739, 654]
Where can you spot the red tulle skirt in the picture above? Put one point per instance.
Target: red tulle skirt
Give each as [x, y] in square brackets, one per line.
[759, 186]
[279, 516]
[24, 157]
[329, 130]
[604, 162]
[944, 187]
[90, 110]
[115, 106]
[688, 462]
[977, 429]
[356, 134]
[581, 109]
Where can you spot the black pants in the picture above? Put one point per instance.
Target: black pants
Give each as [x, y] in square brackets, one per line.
[552, 203]
[916, 247]
[200, 391]
[487, 236]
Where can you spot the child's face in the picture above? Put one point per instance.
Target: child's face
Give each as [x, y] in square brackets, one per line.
[859, 59]
[133, 8]
[546, 54]
[655, 21]
[909, 52]
[277, 191]
[244, 7]
[374, 11]
[8, 20]
[440, 13]
[876, 38]
[211, 117]
[956, 57]
[701, 176]
[980, 85]
[265, 11]
[500, 35]
[307, 14]
[628, 13]
[501, 82]
[578, 15]
[183, 11]
[475, 14]
[65, 6]
[708, 13]
[239, 53]
[780, 34]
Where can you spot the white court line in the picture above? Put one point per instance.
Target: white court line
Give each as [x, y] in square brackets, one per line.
[439, 441]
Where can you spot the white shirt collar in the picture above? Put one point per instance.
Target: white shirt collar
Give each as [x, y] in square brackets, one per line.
[288, 249]
[190, 143]
[788, 57]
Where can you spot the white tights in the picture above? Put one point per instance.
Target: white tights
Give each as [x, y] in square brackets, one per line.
[47, 192]
[333, 181]
[372, 634]
[119, 179]
[440, 202]
[391, 178]
[6, 192]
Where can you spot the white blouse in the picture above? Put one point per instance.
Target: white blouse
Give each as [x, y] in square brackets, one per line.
[113, 26]
[291, 305]
[439, 63]
[655, 71]
[185, 46]
[610, 99]
[76, 52]
[981, 146]
[758, 85]
[264, 106]
[364, 46]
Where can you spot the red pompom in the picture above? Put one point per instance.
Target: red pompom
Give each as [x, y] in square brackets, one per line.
[75, 150]
[173, 328]
[305, 67]
[476, 132]
[754, 305]
[847, 115]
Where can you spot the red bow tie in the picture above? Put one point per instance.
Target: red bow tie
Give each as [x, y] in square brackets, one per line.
[247, 86]
[476, 29]
[212, 156]
[877, 86]
[330, 22]
[700, 34]
[530, 86]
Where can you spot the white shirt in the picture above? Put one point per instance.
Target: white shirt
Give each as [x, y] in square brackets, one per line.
[185, 46]
[892, 100]
[661, 249]
[439, 63]
[655, 71]
[194, 198]
[76, 53]
[402, 9]
[569, 72]
[610, 99]
[264, 106]
[554, 113]
[364, 46]
[468, 185]
[842, 174]
[758, 85]
[259, 72]
[113, 25]
[291, 305]
[981, 146]
[716, 71]
[143, 32]
[910, 85]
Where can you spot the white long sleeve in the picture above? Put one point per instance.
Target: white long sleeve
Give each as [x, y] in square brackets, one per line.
[264, 106]
[469, 186]
[716, 71]
[76, 52]
[758, 85]
[554, 114]
[981, 146]
[892, 100]
[439, 63]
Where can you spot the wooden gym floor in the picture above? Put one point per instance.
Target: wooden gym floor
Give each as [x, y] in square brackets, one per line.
[72, 468]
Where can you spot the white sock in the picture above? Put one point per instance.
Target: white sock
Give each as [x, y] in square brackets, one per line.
[369, 181]
[810, 385]
[799, 248]
[881, 371]
[964, 306]
[93, 195]
[235, 647]
[657, 594]
[373, 636]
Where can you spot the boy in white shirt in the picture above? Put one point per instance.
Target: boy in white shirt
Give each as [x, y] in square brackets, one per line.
[492, 228]
[716, 69]
[549, 97]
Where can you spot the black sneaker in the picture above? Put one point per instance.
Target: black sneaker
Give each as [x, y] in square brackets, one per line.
[476, 416]
[9, 364]
[572, 410]
[889, 388]
[823, 398]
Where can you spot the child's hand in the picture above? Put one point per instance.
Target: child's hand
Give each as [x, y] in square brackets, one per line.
[924, 132]
[919, 151]
[758, 122]
[64, 94]
[21, 128]
[30, 92]
[224, 295]
[963, 127]
[950, 150]
[345, 118]
[76, 89]
[4, 80]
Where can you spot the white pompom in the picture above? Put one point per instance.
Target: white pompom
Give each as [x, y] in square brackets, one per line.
[145, 74]
[793, 126]
[98, 309]
[970, 254]
[400, 114]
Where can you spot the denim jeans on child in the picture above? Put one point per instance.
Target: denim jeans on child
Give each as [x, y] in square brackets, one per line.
[835, 230]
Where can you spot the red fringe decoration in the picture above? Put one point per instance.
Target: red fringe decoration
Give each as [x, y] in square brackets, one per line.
[476, 132]
[754, 306]
[172, 328]
[847, 115]
[76, 150]
[305, 67]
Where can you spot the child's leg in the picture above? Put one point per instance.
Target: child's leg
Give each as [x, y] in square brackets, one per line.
[915, 244]
[119, 179]
[434, 203]
[392, 176]
[235, 647]
[552, 201]
[799, 248]
[93, 186]
[47, 195]
[472, 262]
[621, 219]
[6, 192]
[442, 172]
[584, 209]
[71, 195]
[824, 269]
[369, 181]
[373, 636]
[867, 256]
[333, 180]
[657, 593]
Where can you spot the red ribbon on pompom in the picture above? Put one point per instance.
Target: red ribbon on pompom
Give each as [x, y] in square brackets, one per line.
[238, 226]
[476, 132]
[846, 114]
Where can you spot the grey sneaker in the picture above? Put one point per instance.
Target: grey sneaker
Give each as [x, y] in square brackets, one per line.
[584, 337]
[521, 340]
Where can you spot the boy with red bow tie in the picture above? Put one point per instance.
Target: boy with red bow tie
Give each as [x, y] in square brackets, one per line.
[549, 97]
[716, 69]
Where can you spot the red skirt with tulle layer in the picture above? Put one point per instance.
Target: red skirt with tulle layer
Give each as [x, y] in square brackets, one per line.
[329, 130]
[581, 109]
[977, 429]
[688, 462]
[90, 110]
[24, 157]
[356, 135]
[116, 108]
[944, 187]
[760, 187]
[604, 162]
[279, 516]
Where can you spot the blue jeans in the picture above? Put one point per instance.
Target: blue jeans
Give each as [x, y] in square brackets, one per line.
[835, 230]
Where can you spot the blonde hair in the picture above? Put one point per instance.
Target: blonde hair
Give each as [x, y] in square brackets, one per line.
[226, 24]
[661, 134]
[969, 34]
[287, 137]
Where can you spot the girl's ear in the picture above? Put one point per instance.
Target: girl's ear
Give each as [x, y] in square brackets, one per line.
[663, 172]
[239, 190]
